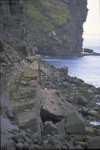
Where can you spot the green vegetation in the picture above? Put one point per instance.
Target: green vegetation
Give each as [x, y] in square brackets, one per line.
[40, 19]
[34, 12]
[60, 16]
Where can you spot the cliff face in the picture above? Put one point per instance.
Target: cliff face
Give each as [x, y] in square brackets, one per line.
[47, 27]
[13, 27]
[57, 26]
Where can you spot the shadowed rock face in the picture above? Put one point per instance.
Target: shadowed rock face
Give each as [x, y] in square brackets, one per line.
[13, 27]
[45, 27]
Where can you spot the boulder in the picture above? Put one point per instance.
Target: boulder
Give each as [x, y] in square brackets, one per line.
[75, 124]
[94, 143]
[81, 100]
[92, 112]
[55, 110]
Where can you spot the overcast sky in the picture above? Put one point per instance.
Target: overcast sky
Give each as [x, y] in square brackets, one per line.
[92, 25]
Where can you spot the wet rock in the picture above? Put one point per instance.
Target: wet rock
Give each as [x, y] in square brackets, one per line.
[94, 143]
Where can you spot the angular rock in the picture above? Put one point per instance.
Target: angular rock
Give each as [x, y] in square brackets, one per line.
[75, 124]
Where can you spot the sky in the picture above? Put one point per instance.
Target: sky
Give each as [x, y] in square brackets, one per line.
[91, 33]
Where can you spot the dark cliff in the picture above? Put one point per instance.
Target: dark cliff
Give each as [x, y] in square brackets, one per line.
[57, 26]
[47, 27]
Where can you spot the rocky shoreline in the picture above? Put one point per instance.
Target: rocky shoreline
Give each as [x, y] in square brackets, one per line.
[43, 107]
[49, 109]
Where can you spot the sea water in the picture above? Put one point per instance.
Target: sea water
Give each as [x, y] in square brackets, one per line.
[86, 68]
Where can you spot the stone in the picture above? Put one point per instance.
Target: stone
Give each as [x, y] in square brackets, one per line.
[52, 109]
[10, 114]
[81, 100]
[89, 130]
[28, 140]
[19, 146]
[49, 128]
[6, 128]
[32, 70]
[94, 143]
[19, 138]
[36, 138]
[8, 146]
[56, 144]
[35, 147]
[26, 146]
[75, 124]
[93, 112]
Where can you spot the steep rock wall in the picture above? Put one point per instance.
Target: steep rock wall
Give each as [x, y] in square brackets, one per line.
[56, 26]
[13, 27]
[47, 27]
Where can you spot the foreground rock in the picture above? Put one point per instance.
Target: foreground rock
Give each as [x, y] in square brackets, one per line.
[51, 107]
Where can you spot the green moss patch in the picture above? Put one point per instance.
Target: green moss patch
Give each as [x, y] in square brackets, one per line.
[60, 16]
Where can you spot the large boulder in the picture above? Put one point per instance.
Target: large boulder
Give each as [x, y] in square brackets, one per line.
[55, 110]
[75, 124]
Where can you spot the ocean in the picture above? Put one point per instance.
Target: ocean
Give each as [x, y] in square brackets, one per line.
[86, 68]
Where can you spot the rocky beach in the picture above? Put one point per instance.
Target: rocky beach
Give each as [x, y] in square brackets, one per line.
[42, 107]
